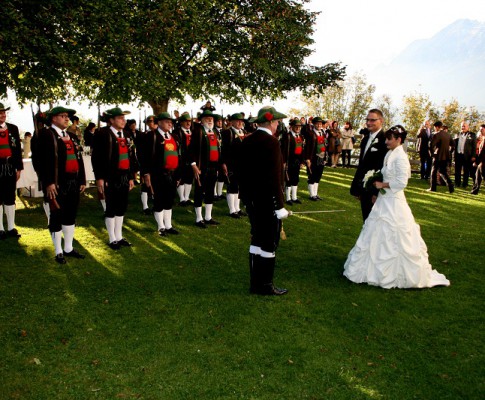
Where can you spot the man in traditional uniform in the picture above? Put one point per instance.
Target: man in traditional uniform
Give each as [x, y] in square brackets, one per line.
[315, 151]
[184, 134]
[160, 170]
[63, 179]
[11, 166]
[231, 145]
[113, 173]
[261, 188]
[204, 153]
[221, 176]
[292, 152]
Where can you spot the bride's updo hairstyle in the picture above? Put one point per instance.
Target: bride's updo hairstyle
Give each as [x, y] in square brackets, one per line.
[397, 131]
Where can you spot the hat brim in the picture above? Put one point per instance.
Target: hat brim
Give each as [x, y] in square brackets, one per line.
[276, 116]
[5, 109]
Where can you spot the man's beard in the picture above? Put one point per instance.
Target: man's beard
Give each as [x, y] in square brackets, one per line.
[208, 126]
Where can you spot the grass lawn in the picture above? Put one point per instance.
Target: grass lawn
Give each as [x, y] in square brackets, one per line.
[171, 318]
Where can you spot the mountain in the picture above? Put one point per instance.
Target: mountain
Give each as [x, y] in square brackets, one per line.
[451, 64]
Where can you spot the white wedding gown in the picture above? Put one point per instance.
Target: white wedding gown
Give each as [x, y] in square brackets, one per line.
[390, 251]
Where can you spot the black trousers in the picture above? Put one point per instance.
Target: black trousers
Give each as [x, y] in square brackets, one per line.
[441, 167]
[346, 155]
[479, 177]
[232, 183]
[116, 191]
[293, 172]
[205, 190]
[366, 204]
[164, 191]
[462, 164]
[265, 226]
[426, 162]
[67, 198]
[316, 170]
[187, 175]
[8, 184]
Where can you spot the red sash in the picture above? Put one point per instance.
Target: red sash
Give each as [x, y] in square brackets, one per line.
[5, 150]
[123, 160]
[213, 148]
[170, 154]
[72, 165]
[298, 145]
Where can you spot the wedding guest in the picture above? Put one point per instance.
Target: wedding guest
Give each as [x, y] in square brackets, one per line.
[390, 251]
[348, 139]
[465, 154]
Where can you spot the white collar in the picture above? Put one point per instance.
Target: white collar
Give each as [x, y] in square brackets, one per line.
[265, 130]
[58, 130]
[117, 132]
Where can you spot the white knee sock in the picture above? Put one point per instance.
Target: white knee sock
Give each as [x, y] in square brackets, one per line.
[68, 231]
[144, 200]
[187, 189]
[266, 254]
[310, 189]
[237, 203]
[288, 193]
[219, 185]
[47, 210]
[10, 213]
[315, 188]
[198, 214]
[293, 192]
[57, 241]
[118, 228]
[180, 192]
[230, 202]
[159, 218]
[208, 212]
[103, 204]
[110, 227]
[1, 218]
[167, 218]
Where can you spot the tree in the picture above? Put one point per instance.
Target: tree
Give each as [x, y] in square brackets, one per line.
[384, 103]
[120, 51]
[416, 109]
[348, 100]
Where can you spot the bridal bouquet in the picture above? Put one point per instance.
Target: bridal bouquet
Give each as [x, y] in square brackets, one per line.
[370, 177]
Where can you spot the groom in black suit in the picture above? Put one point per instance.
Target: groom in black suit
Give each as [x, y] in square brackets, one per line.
[372, 152]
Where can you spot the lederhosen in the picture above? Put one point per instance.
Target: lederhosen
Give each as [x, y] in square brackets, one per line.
[316, 155]
[161, 160]
[62, 166]
[10, 163]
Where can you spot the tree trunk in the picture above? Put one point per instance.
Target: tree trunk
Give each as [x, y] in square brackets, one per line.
[159, 106]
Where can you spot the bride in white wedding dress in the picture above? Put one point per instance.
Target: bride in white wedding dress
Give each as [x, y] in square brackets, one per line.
[390, 251]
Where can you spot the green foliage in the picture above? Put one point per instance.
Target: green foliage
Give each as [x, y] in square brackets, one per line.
[171, 318]
[154, 51]
[348, 100]
[416, 108]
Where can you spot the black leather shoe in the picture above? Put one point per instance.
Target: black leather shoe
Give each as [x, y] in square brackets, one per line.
[318, 198]
[147, 211]
[124, 242]
[188, 202]
[183, 204]
[3, 235]
[13, 233]
[172, 231]
[114, 245]
[235, 215]
[296, 201]
[162, 232]
[242, 213]
[200, 224]
[451, 189]
[313, 198]
[211, 221]
[289, 202]
[60, 258]
[74, 254]
[270, 290]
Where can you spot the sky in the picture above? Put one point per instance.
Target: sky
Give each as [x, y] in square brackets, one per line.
[360, 34]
